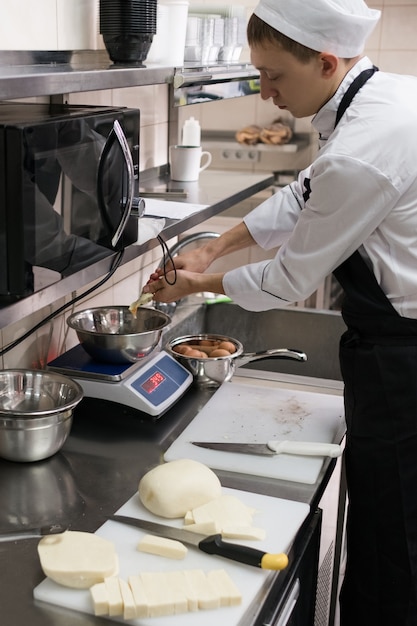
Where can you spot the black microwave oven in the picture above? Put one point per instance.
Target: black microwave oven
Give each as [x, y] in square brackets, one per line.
[68, 175]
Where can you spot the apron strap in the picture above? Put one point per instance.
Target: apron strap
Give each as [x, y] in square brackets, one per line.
[351, 92]
[353, 89]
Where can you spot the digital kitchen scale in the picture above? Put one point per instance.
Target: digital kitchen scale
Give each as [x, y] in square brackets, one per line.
[151, 385]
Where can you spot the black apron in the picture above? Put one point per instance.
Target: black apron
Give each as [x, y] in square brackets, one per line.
[378, 357]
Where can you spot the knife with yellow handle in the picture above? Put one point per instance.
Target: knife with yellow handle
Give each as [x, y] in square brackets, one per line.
[273, 447]
[213, 544]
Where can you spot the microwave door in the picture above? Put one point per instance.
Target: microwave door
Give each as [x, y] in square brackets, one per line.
[116, 172]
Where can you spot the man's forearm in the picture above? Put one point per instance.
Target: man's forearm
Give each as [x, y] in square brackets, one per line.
[237, 238]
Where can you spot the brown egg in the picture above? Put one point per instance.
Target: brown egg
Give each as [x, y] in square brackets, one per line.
[227, 345]
[219, 352]
[196, 354]
[207, 342]
[181, 348]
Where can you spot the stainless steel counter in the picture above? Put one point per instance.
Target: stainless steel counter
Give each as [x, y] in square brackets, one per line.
[98, 469]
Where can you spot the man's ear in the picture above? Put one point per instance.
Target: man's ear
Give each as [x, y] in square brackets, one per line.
[329, 64]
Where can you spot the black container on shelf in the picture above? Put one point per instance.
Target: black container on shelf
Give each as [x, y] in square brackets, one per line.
[128, 27]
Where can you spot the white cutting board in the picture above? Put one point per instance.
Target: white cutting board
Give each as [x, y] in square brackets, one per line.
[255, 414]
[280, 518]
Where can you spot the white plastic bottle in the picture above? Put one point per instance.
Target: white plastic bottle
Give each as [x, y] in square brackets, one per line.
[191, 132]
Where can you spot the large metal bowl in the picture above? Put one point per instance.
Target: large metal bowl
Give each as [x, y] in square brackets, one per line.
[114, 335]
[36, 411]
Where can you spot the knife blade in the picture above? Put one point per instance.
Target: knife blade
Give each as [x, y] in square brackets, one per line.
[273, 447]
[213, 544]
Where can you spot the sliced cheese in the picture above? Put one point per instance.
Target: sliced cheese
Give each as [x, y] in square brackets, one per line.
[129, 607]
[139, 596]
[225, 587]
[188, 518]
[235, 531]
[225, 510]
[158, 594]
[162, 546]
[77, 559]
[203, 528]
[183, 600]
[114, 596]
[100, 600]
[207, 595]
[183, 582]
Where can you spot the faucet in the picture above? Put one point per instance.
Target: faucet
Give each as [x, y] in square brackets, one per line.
[169, 308]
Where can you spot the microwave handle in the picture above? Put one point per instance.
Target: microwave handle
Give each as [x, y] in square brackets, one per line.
[118, 134]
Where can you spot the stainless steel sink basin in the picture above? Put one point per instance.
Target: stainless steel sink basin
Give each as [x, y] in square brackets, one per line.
[314, 331]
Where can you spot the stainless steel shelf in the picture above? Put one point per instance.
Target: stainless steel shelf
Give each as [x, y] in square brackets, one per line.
[217, 190]
[26, 74]
[90, 70]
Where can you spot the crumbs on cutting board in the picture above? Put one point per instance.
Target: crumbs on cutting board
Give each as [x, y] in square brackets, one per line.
[293, 412]
[286, 415]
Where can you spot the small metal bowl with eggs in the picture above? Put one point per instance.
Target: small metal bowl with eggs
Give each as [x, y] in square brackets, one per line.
[212, 359]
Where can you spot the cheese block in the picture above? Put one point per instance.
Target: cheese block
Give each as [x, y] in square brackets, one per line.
[139, 597]
[100, 599]
[237, 531]
[129, 606]
[204, 528]
[207, 595]
[162, 546]
[183, 600]
[159, 594]
[171, 489]
[225, 587]
[114, 596]
[224, 510]
[77, 559]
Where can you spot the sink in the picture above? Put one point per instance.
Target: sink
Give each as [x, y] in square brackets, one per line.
[314, 331]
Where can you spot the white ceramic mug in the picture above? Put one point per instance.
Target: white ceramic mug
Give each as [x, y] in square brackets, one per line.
[185, 162]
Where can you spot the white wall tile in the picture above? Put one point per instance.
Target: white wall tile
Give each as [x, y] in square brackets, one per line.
[76, 24]
[398, 29]
[401, 61]
[394, 3]
[153, 146]
[27, 25]
[150, 100]
[94, 98]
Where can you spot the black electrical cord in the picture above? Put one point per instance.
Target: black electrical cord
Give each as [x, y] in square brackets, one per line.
[116, 263]
[167, 257]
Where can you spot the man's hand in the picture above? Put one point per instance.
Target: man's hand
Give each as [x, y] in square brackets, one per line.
[185, 284]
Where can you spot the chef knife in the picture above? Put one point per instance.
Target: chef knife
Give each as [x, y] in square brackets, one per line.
[213, 544]
[307, 448]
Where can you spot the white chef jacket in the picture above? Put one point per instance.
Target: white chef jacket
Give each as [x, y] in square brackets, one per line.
[363, 196]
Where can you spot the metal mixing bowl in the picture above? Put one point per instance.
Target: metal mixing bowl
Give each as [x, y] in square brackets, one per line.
[114, 335]
[36, 411]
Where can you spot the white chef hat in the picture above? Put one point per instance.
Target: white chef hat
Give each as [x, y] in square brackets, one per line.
[337, 26]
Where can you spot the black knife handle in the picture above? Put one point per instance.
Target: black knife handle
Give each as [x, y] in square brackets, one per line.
[243, 554]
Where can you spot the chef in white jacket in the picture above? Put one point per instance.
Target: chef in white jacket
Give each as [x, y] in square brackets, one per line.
[352, 213]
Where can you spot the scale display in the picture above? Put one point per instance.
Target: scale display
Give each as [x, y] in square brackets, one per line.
[151, 385]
